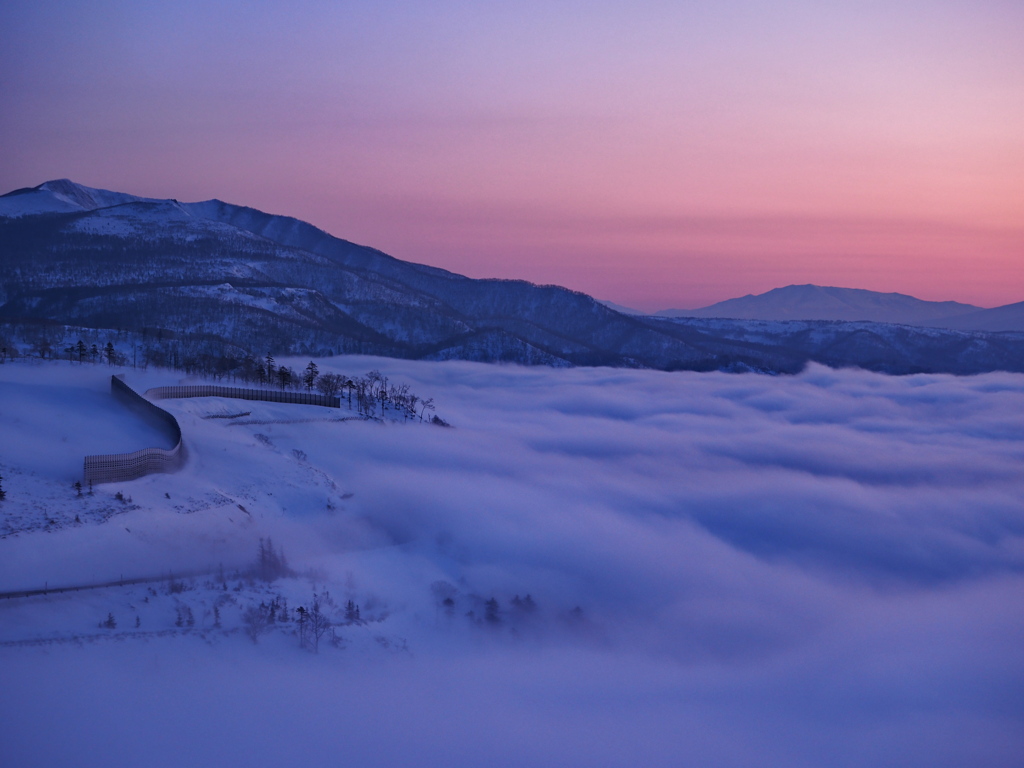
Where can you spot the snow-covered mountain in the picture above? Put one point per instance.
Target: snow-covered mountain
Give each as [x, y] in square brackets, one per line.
[62, 196]
[208, 281]
[815, 302]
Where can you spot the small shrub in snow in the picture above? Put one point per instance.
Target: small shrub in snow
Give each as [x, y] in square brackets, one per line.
[256, 621]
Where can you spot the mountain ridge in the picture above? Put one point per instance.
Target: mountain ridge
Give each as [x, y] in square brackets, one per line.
[816, 302]
[221, 280]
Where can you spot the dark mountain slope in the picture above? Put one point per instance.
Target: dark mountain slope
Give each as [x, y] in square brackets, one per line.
[217, 274]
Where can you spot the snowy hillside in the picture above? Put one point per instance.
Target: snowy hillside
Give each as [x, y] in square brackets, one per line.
[742, 569]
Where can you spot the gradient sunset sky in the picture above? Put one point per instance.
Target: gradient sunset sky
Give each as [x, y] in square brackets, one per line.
[656, 154]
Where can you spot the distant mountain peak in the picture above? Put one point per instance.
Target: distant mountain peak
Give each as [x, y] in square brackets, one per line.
[818, 302]
[63, 187]
[72, 193]
[62, 196]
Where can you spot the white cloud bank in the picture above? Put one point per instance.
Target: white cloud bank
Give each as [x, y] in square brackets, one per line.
[817, 570]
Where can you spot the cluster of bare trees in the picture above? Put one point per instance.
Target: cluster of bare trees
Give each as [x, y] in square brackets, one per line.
[371, 395]
[257, 620]
[312, 622]
[374, 395]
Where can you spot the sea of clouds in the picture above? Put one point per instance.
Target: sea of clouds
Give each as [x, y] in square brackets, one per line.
[734, 570]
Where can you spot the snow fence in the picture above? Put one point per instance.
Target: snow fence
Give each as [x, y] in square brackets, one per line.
[239, 393]
[120, 467]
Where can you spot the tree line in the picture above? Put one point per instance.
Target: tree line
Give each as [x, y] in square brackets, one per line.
[372, 395]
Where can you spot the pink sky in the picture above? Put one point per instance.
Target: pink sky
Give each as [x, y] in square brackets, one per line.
[654, 154]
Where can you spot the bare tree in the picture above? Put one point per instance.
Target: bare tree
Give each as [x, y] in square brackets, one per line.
[313, 624]
[256, 620]
[426, 405]
[330, 384]
[376, 380]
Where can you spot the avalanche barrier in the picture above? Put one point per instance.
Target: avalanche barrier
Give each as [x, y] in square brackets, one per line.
[240, 393]
[120, 467]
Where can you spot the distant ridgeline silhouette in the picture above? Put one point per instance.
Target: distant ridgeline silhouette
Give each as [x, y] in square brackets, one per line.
[207, 286]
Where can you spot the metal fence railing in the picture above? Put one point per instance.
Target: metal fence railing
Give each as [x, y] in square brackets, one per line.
[120, 467]
[241, 393]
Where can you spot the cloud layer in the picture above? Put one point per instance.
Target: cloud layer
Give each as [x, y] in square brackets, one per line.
[825, 569]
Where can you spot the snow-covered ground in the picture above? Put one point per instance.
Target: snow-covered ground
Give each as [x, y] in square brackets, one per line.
[723, 570]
